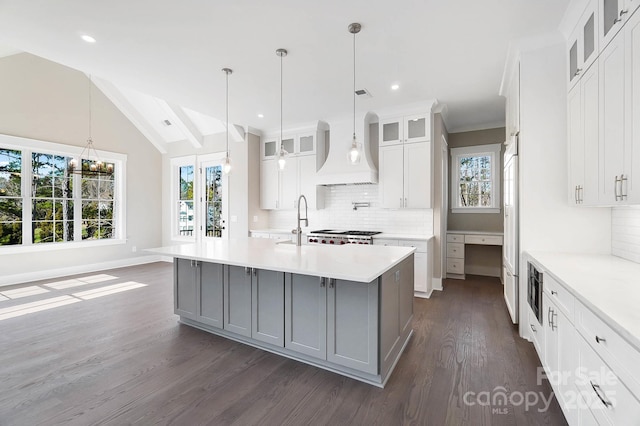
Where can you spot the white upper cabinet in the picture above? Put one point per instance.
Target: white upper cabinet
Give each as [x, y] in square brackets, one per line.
[590, 90]
[612, 70]
[405, 129]
[583, 46]
[632, 109]
[306, 154]
[303, 143]
[613, 15]
[576, 145]
[405, 176]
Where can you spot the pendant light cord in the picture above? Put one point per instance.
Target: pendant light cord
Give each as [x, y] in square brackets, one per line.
[354, 85]
[281, 104]
[90, 101]
[227, 95]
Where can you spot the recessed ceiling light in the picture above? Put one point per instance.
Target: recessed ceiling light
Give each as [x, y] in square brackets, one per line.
[260, 115]
[88, 38]
[395, 87]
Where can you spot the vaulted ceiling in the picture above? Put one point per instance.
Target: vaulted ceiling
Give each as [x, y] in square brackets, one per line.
[453, 51]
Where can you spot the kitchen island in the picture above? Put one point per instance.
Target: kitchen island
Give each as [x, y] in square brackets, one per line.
[347, 309]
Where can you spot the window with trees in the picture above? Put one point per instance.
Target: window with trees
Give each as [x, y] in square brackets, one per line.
[45, 201]
[186, 212]
[475, 180]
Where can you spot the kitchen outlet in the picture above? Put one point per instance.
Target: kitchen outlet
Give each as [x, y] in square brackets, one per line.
[134, 249]
[255, 219]
[234, 218]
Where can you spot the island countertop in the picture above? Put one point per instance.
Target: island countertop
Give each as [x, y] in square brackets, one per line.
[362, 263]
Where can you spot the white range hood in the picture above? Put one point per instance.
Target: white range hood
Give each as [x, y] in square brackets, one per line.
[337, 169]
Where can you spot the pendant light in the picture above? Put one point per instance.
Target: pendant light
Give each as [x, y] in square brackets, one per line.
[283, 154]
[90, 163]
[226, 167]
[354, 152]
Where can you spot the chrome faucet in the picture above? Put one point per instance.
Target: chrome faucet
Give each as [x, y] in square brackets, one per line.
[306, 219]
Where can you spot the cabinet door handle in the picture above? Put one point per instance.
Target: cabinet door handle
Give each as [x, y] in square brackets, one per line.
[322, 284]
[533, 328]
[623, 12]
[600, 339]
[405, 202]
[575, 194]
[332, 282]
[255, 271]
[615, 188]
[623, 194]
[597, 390]
[578, 71]
[581, 194]
[554, 293]
[549, 316]
[247, 270]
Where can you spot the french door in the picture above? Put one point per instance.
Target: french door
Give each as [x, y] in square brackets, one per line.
[213, 199]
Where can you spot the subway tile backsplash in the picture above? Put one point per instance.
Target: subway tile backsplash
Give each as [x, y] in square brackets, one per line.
[339, 214]
[625, 233]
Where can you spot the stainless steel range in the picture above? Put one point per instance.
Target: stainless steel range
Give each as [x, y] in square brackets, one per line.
[331, 236]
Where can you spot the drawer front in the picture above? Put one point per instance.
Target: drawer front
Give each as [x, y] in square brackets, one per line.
[455, 250]
[487, 240]
[620, 355]
[455, 238]
[606, 396]
[421, 246]
[559, 295]
[455, 266]
[384, 242]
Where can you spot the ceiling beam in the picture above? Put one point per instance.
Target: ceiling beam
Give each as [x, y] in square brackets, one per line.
[116, 97]
[186, 126]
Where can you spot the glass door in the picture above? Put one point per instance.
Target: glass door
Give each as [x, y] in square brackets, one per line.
[214, 200]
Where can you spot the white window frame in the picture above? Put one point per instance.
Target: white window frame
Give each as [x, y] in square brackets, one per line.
[492, 150]
[176, 163]
[27, 147]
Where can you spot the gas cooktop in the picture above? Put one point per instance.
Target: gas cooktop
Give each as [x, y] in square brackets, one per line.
[336, 232]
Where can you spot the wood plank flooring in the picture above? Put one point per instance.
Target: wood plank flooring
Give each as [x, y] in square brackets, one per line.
[122, 358]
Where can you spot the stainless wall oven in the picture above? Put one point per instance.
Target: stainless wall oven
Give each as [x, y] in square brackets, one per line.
[534, 290]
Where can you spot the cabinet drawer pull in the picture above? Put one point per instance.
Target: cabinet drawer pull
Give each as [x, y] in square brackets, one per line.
[598, 390]
[600, 339]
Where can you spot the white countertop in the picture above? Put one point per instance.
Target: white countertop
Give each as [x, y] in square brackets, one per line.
[608, 285]
[362, 263]
[476, 233]
[390, 236]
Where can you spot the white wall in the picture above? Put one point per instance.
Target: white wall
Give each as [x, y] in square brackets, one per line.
[43, 100]
[339, 214]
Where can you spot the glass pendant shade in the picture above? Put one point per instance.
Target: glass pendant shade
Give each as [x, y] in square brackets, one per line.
[354, 152]
[282, 159]
[226, 166]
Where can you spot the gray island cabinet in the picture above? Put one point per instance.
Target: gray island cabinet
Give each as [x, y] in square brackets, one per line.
[356, 327]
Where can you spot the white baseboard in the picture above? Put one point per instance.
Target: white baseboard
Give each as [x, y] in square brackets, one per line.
[422, 294]
[437, 283]
[79, 269]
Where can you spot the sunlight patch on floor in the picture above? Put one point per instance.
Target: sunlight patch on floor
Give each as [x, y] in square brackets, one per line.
[40, 305]
[77, 282]
[111, 289]
[23, 292]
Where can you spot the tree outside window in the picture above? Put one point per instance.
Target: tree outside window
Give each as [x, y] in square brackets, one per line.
[10, 197]
[475, 178]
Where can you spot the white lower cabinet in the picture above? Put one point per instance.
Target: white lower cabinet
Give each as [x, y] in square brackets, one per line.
[594, 371]
[422, 261]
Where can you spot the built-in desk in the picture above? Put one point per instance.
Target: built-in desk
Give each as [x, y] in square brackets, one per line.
[456, 242]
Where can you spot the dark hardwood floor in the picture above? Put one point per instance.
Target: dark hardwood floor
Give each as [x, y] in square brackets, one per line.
[122, 358]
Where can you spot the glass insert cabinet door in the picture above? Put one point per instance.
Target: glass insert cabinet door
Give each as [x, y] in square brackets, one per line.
[214, 198]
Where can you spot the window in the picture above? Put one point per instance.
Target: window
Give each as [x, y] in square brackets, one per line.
[475, 179]
[10, 197]
[44, 202]
[185, 201]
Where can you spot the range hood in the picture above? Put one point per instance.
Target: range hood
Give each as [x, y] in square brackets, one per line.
[337, 169]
